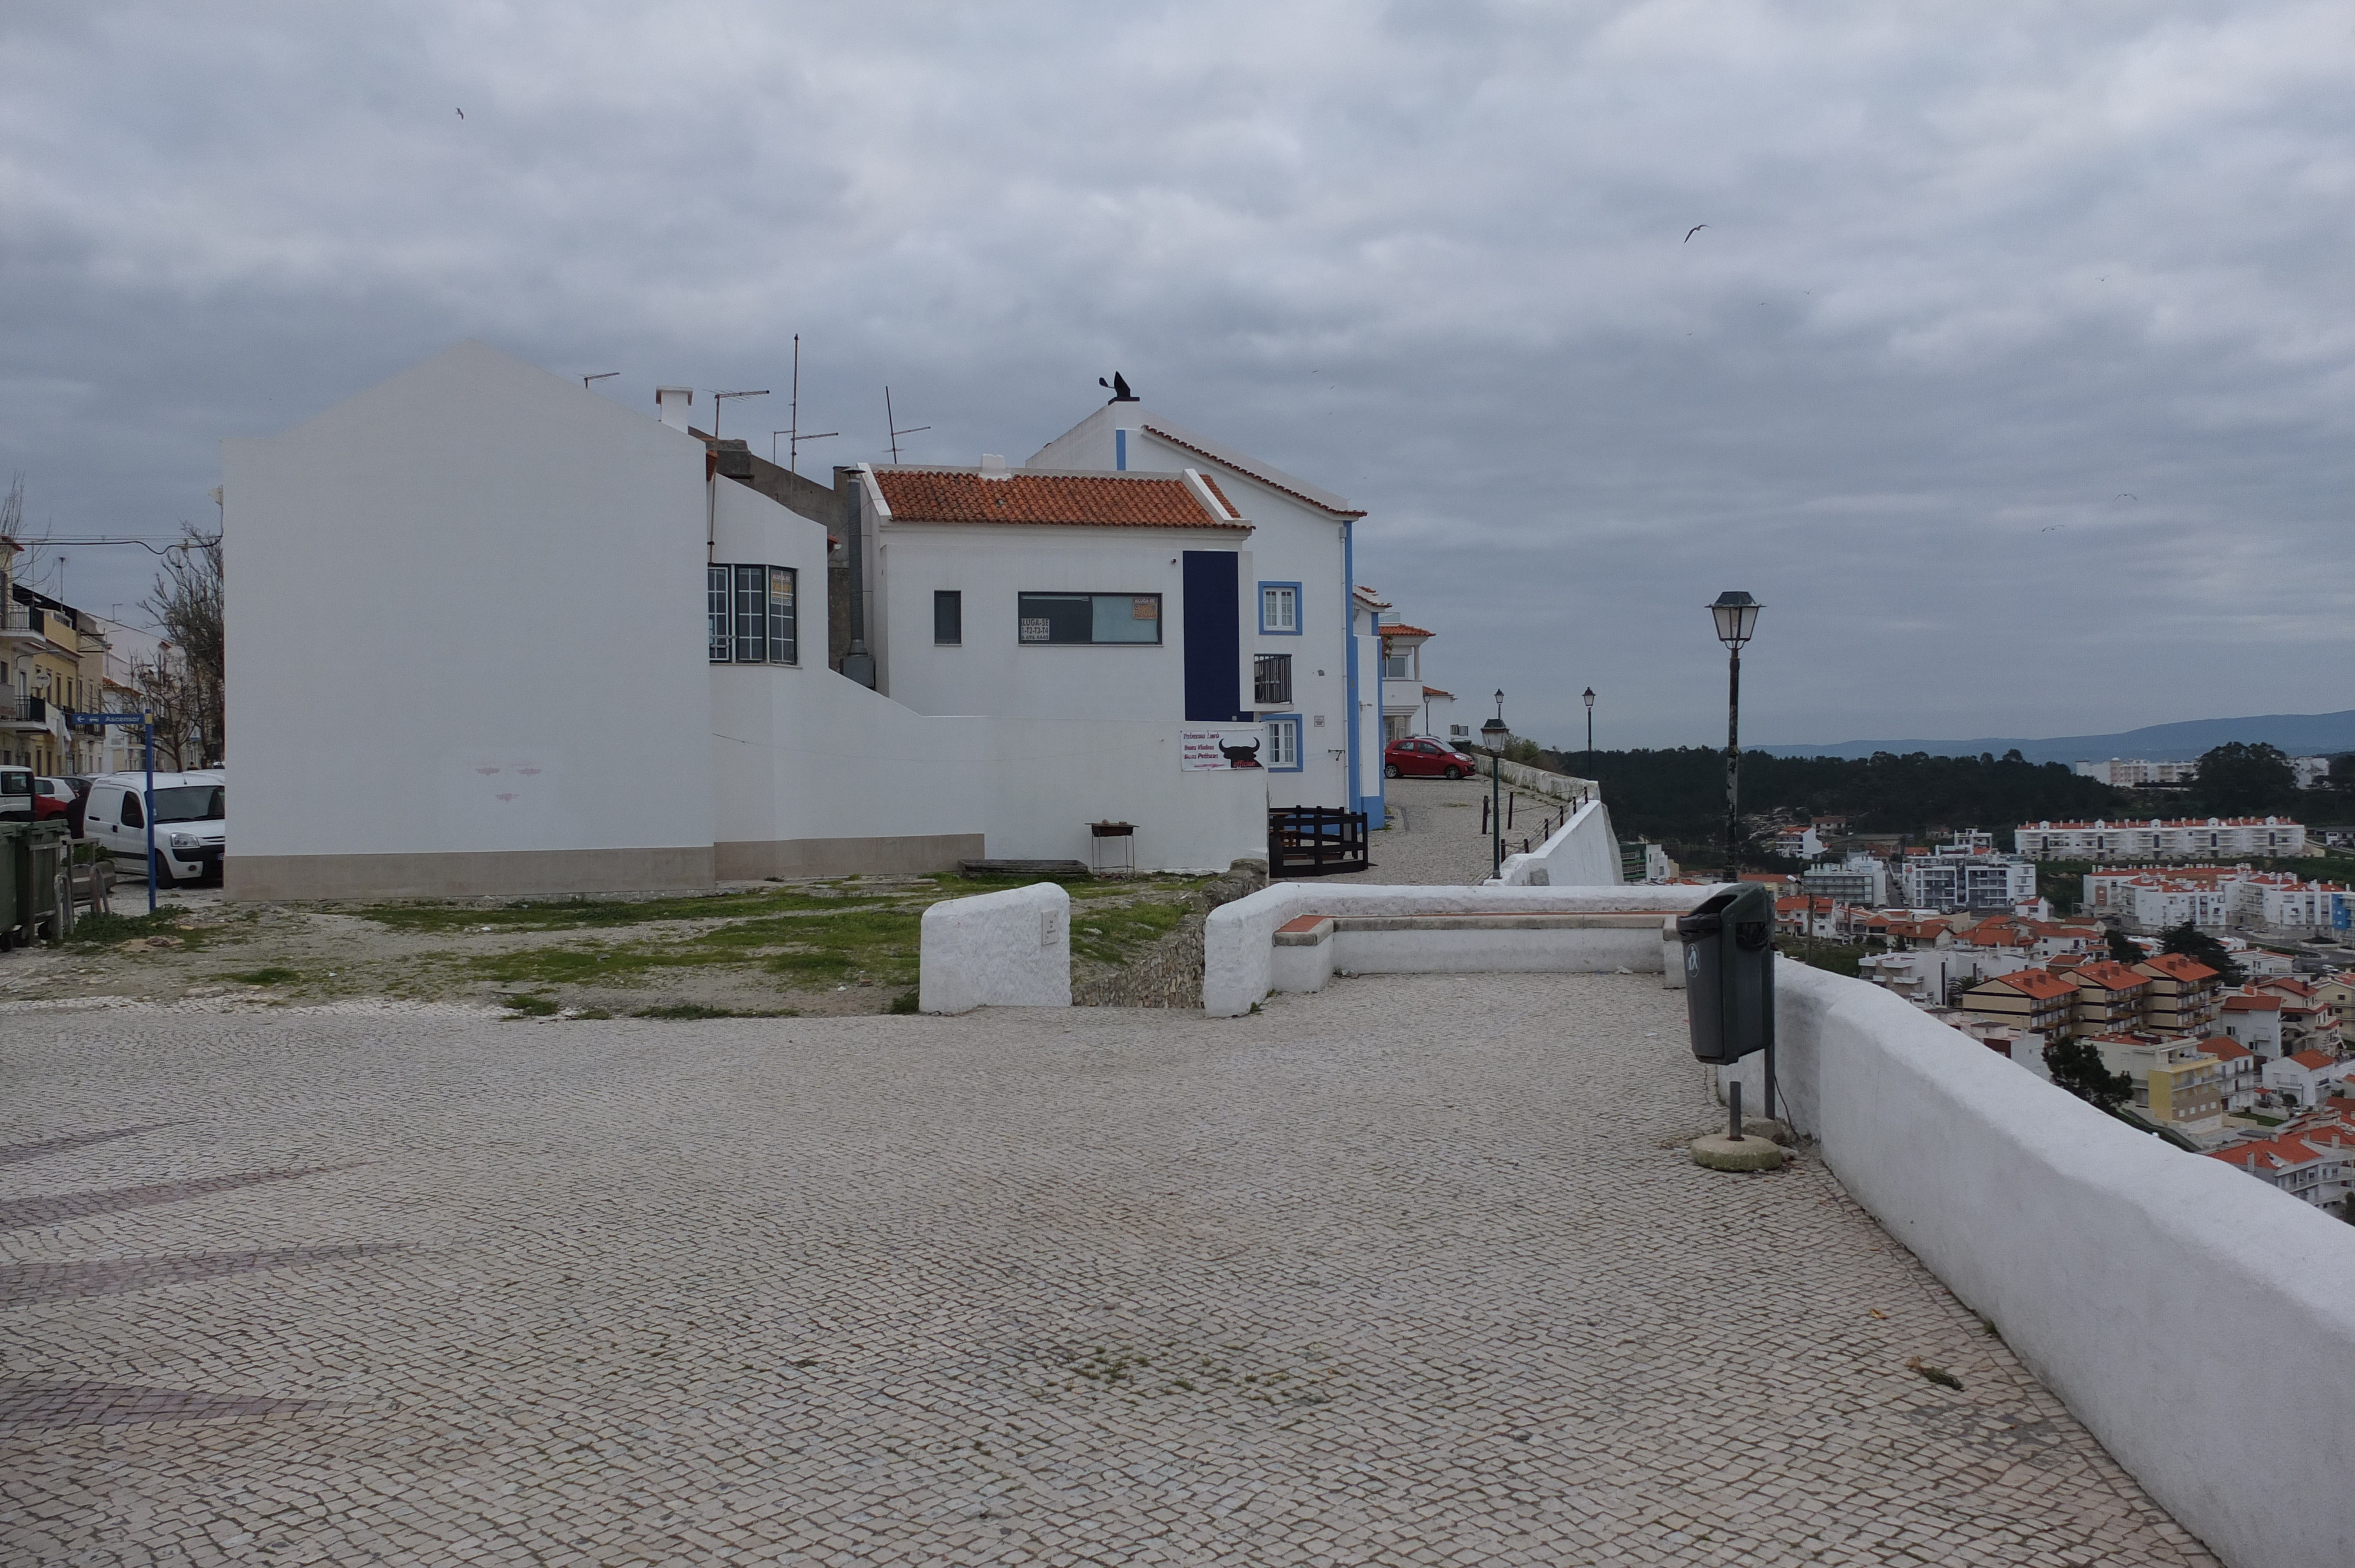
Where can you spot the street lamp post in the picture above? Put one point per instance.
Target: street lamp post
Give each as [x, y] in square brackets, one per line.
[1590, 732]
[1494, 733]
[1736, 614]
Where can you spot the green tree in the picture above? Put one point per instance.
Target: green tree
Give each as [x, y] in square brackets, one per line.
[2077, 1067]
[2194, 943]
[2123, 947]
[2242, 781]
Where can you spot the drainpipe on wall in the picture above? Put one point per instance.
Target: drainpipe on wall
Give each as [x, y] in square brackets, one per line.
[1352, 800]
[858, 664]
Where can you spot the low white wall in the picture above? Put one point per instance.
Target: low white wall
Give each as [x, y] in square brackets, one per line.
[2200, 1323]
[997, 950]
[1583, 853]
[1560, 785]
[1238, 938]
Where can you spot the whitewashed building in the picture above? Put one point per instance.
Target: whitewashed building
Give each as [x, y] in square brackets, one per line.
[2181, 838]
[471, 650]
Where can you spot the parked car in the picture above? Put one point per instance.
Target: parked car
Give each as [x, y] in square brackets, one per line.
[191, 824]
[1421, 757]
[51, 798]
[16, 794]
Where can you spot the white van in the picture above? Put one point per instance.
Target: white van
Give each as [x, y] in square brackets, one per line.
[191, 827]
[16, 794]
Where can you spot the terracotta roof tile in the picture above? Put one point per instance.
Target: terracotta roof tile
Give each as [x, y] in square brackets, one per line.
[952, 495]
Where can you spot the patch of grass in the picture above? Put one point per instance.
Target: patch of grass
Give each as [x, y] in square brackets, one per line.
[103, 930]
[1111, 936]
[579, 914]
[271, 976]
[904, 1002]
[694, 1010]
[532, 1006]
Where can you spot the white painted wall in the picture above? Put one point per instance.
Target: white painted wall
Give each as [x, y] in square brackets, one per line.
[1238, 938]
[464, 614]
[1292, 542]
[997, 950]
[1583, 853]
[992, 672]
[2182, 1308]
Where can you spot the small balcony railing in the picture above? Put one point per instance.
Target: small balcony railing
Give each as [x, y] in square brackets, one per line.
[22, 708]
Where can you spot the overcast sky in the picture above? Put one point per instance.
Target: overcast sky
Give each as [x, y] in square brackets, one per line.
[2014, 371]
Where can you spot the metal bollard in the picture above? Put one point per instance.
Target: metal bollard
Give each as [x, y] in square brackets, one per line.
[1734, 1110]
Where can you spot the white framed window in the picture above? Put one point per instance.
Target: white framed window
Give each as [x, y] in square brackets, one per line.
[1279, 610]
[1283, 744]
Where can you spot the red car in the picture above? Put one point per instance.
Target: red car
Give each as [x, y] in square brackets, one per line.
[1420, 757]
[51, 798]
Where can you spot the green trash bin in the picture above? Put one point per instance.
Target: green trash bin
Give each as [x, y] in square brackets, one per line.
[1729, 942]
[12, 849]
[46, 847]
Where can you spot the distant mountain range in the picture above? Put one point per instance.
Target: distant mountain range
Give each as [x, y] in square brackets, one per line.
[2300, 735]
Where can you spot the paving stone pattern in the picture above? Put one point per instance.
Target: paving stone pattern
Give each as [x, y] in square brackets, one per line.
[1413, 1271]
[1435, 834]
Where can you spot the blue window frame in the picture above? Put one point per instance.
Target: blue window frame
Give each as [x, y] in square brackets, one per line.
[1282, 751]
[1279, 610]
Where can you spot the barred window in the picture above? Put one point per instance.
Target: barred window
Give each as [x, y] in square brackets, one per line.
[716, 595]
[1272, 679]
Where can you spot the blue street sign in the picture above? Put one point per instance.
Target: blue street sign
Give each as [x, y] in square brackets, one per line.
[106, 718]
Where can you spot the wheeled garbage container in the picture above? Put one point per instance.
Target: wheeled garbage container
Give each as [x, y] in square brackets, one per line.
[1728, 952]
[12, 849]
[38, 863]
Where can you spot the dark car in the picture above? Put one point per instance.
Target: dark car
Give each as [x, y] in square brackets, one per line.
[1420, 757]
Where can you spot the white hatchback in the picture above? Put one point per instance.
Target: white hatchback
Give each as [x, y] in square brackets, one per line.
[191, 824]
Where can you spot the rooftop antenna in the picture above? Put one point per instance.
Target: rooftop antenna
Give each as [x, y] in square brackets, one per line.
[792, 431]
[717, 397]
[601, 376]
[892, 426]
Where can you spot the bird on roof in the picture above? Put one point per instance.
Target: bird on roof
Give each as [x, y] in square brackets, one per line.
[1119, 385]
[1696, 228]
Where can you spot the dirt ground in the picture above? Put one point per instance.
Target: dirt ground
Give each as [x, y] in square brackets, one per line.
[844, 944]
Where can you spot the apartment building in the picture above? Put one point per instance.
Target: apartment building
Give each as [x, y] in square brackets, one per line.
[2306, 1078]
[2137, 773]
[2176, 1085]
[2185, 995]
[1960, 877]
[2181, 838]
[2037, 1000]
[2110, 996]
[1860, 879]
[2253, 1018]
[2237, 1071]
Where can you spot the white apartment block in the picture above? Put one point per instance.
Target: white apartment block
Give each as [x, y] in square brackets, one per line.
[2182, 838]
[2218, 897]
[1973, 880]
[1859, 879]
[2136, 773]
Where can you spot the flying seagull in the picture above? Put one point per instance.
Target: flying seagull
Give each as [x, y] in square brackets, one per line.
[462, 115]
[1119, 386]
[1696, 228]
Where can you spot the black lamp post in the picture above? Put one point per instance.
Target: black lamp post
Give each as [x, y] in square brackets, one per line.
[1590, 732]
[1493, 735]
[1736, 614]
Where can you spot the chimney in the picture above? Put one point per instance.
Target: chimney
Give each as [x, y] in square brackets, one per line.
[993, 466]
[674, 402]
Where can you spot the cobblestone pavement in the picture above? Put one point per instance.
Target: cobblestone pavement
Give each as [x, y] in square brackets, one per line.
[1435, 834]
[1413, 1271]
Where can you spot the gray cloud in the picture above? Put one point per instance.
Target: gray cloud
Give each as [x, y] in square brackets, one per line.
[1972, 273]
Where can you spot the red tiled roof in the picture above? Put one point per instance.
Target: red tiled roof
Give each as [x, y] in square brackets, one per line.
[2237, 1002]
[2111, 976]
[2313, 1060]
[1404, 631]
[2038, 985]
[2183, 968]
[2223, 1050]
[937, 495]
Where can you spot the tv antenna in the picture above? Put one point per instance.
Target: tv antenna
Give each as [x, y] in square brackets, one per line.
[601, 376]
[792, 431]
[717, 397]
[896, 431]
